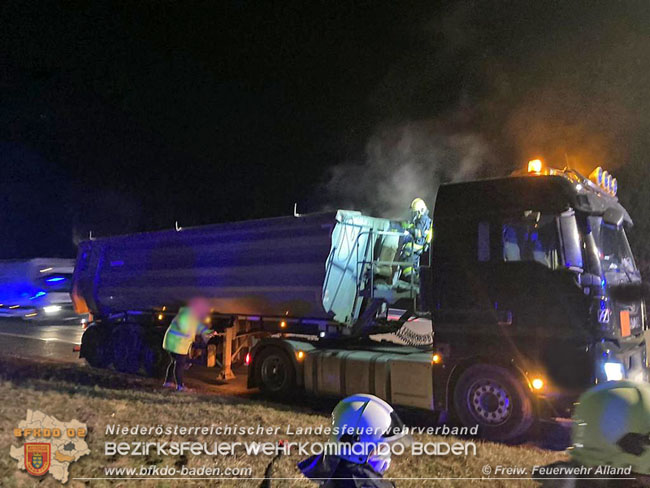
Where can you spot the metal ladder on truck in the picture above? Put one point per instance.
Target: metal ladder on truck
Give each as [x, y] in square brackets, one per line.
[364, 269]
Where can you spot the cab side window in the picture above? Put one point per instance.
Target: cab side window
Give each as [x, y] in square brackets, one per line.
[531, 239]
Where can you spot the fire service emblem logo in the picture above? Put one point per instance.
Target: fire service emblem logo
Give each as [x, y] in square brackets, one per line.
[37, 458]
[49, 445]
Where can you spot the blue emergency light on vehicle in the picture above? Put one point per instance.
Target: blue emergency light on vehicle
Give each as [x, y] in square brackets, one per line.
[55, 279]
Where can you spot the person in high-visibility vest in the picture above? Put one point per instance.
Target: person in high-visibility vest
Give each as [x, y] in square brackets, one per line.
[419, 233]
[188, 323]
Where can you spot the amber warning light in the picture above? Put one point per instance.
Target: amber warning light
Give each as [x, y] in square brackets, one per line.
[535, 166]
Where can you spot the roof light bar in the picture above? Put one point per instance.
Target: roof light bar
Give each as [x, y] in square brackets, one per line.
[604, 180]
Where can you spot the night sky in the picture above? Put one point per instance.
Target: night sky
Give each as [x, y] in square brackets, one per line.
[125, 116]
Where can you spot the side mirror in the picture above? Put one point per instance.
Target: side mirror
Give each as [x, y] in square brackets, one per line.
[570, 240]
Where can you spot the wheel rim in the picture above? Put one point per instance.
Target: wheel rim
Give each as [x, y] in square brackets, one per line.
[274, 372]
[489, 402]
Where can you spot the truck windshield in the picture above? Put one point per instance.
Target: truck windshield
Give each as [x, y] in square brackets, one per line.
[613, 248]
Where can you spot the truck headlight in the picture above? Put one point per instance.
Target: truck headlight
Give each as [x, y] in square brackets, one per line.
[614, 371]
[52, 309]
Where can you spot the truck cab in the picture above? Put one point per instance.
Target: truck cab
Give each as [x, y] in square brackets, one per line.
[525, 276]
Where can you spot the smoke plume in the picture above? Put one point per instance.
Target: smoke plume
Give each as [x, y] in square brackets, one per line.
[403, 162]
[565, 82]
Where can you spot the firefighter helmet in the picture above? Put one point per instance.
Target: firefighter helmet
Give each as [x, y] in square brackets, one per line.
[367, 425]
[418, 207]
[611, 426]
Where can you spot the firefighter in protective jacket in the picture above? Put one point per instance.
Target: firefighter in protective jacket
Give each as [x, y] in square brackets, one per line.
[364, 426]
[611, 439]
[419, 233]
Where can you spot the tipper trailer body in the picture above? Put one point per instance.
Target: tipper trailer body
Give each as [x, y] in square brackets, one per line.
[519, 284]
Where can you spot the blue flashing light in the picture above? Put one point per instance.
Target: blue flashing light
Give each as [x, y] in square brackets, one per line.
[39, 294]
[55, 280]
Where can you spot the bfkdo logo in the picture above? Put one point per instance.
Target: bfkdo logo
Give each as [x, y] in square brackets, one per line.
[50, 446]
[37, 457]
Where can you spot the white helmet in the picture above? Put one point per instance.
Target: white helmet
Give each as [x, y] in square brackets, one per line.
[418, 207]
[611, 425]
[368, 425]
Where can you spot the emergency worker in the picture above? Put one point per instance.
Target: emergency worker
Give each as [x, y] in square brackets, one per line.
[611, 438]
[363, 428]
[419, 233]
[188, 323]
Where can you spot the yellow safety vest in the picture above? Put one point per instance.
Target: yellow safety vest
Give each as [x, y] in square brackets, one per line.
[181, 332]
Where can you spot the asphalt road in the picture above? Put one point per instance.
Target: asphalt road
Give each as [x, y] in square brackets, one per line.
[56, 341]
[34, 339]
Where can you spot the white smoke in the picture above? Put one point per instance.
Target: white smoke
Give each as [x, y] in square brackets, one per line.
[403, 162]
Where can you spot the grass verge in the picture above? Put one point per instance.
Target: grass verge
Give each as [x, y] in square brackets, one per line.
[99, 398]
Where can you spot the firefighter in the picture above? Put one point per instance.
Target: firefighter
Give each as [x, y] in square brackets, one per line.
[188, 323]
[419, 232]
[611, 438]
[363, 428]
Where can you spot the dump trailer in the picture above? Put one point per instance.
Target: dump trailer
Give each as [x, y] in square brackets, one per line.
[530, 290]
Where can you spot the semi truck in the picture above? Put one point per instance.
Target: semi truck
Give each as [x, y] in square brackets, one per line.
[520, 289]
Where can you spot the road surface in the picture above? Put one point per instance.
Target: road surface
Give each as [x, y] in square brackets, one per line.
[56, 341]
[31, 339]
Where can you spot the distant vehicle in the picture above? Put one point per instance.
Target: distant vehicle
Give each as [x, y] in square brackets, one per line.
[37, 289]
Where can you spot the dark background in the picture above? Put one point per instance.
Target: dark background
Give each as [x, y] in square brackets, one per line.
[124, 116]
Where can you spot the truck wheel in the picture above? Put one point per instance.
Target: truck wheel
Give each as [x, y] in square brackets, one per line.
[275, 372]
[493, 398]
[96, 347]
[153, 357]
[127, 348]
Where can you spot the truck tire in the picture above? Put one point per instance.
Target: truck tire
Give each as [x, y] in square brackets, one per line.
[495, 399]
[154, 359]
[96, 347]
[127, 347]
[275, 372]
